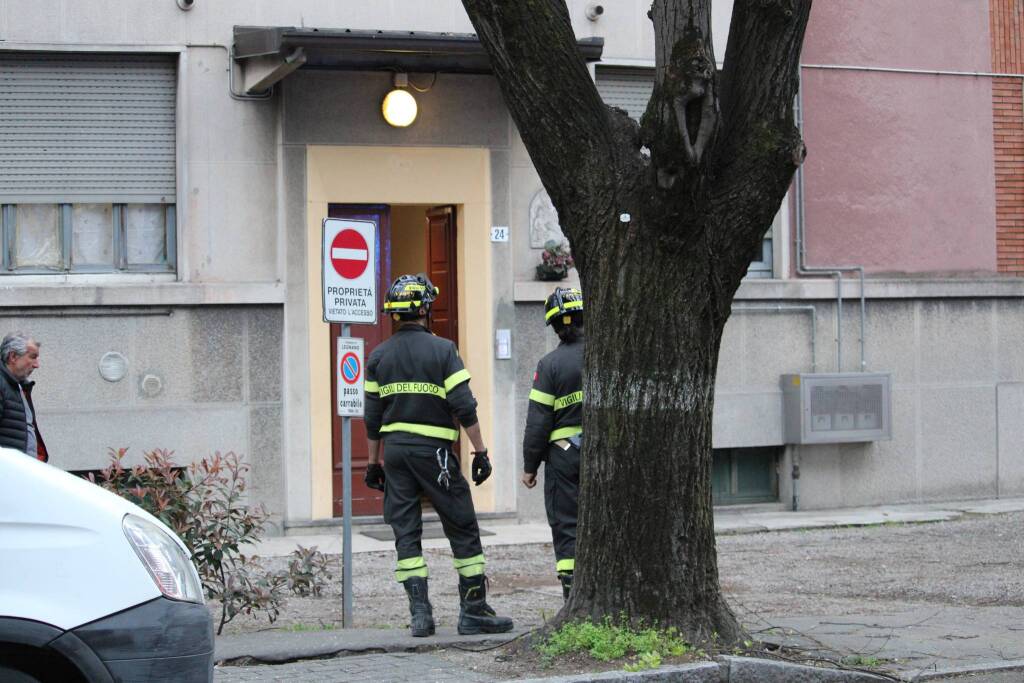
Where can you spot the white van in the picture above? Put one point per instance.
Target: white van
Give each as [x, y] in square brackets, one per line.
[92, 587]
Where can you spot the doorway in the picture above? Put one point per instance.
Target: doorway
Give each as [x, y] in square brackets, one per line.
[411, 239]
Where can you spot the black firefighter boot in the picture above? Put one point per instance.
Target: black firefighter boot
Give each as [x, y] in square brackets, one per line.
[476, 616]
[422, 623]
[566, 579]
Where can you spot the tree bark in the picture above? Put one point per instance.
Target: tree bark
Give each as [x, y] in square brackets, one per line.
[662, 218]
[646, 534]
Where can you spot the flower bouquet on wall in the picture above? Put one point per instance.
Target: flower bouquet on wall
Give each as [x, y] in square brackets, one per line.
[555, 261]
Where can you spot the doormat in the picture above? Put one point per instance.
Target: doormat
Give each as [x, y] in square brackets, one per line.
[429, 531]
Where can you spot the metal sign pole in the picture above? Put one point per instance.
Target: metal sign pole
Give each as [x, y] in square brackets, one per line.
[349, 256]
[346, 511]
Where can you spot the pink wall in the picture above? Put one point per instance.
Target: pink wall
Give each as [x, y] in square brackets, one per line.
[911, 34]
[899, 173]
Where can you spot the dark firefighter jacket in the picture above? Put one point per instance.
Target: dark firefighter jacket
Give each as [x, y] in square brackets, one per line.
[415, 383]
[556, 402]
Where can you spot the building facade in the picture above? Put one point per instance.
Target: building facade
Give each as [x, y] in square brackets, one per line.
[166, 172]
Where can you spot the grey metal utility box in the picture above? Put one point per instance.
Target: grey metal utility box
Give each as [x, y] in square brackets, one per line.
[837, 408]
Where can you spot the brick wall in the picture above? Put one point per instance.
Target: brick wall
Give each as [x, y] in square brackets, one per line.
[1005, 18]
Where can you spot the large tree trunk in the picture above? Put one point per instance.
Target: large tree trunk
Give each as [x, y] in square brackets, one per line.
[662, 218]
[646, 534]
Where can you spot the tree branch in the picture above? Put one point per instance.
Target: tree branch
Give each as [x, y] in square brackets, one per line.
[760, 76]
[552, 99]
[682, 116]
[759, 148]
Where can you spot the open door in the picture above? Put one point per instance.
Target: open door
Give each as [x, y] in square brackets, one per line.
[365, 501]
[441, 268]
[444, 314]
[411, 239]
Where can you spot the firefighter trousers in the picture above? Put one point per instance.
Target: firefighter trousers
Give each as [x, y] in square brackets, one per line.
[561, 501]
[414, 467]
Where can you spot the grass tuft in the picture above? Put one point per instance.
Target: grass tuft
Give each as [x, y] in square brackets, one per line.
[608, 640]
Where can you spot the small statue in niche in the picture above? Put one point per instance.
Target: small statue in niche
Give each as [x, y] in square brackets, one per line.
[544, 225]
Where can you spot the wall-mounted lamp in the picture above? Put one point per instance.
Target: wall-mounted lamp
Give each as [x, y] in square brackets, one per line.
[399, 106]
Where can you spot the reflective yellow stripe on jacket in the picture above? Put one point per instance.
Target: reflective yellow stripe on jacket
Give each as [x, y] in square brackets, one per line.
[455, 379]
[568, 400]
[542, 398]
[563, 433]
[557, 403]
[423, 430]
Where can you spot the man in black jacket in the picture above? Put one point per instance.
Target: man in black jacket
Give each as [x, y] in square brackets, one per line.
[415, 386]
[554, 428]
[18, 428]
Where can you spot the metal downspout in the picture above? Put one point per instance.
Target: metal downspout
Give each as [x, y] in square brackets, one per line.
[801, 251]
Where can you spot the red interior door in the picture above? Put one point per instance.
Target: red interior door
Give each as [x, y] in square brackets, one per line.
[365, 501]
[442, 271]
[444, 313]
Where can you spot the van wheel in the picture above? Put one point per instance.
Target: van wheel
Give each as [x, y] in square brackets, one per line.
[9, 675]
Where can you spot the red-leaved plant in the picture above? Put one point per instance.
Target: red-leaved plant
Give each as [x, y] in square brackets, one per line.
[204, 504]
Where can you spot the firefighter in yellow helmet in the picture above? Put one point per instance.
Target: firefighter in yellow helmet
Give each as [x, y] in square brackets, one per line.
[554, 427]
[416, 389]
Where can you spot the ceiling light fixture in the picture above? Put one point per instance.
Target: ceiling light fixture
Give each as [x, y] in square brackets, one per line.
[399, 107]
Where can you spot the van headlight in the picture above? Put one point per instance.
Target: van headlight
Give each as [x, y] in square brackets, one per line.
[168, 564]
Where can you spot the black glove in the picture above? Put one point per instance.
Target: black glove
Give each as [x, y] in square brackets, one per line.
[374, 476]
[481, 467]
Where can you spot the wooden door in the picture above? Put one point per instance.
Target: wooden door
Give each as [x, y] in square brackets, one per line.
[444, 314]
[441, 269]
[365, 501]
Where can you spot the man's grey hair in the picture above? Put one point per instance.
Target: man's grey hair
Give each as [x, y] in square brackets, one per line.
[16, 343]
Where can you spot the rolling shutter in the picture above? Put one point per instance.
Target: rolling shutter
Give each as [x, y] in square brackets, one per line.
[626, 88]
[87, 128]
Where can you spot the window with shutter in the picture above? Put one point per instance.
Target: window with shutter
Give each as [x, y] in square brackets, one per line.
[87, 162]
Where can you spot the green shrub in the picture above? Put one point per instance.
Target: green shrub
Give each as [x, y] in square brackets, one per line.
[307, 571]
[645, 660]
[609, 640]
[204, 505]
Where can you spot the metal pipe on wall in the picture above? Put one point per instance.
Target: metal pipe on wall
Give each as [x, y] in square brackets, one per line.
[230, 52]
[783, 308]
[801, 247]
[801, 253]
[796, 478]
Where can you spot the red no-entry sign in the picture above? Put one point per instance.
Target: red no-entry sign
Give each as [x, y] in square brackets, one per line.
[349, 271]
[349, 254]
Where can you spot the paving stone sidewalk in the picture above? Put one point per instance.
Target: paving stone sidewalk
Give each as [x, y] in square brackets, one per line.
[921, 634]
[396, 667]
